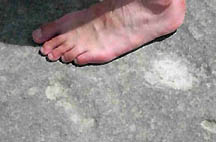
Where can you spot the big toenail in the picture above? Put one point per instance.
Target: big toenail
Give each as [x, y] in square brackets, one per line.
[38, 33]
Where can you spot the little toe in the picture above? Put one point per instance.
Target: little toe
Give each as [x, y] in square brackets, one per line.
[45, 32]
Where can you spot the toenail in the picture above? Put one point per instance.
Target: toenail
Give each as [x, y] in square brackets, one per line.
[75, 61]
[38, 33]
[50, 56]
[42, 50]
[63, 58]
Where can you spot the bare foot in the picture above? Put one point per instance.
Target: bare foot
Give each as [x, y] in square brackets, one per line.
[108, 29]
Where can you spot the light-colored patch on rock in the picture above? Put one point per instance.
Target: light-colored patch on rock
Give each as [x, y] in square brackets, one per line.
[170, 71]
[33, 91]
[137, 113]
[60, 94]
[75, 116]
[3, 79]
[213, 67]
[55, 91]
[209, 125]
[195, 31]
[132, 128]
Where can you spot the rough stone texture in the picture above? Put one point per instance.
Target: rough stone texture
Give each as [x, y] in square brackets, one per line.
[163, 92]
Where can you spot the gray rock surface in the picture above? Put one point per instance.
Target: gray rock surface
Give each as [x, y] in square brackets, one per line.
[163, 92]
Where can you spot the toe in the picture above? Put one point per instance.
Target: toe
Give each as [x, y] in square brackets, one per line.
[93, 57]
[72, 54]
[59, 51]
[45, 32]
[84, 59]
[52, 44]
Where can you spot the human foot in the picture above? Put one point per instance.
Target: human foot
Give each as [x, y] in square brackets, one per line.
[108, 29]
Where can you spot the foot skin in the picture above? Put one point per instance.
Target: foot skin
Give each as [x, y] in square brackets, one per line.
[108, 29]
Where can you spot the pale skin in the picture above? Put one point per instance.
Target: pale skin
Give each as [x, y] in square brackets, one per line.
[108, 29]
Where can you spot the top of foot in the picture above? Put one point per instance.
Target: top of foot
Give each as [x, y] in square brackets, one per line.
[108, 29]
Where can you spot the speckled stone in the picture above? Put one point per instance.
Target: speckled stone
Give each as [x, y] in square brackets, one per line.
[163, 92]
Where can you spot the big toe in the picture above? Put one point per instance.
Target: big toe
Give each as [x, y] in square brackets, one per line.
[93, 58]
[45, 32]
